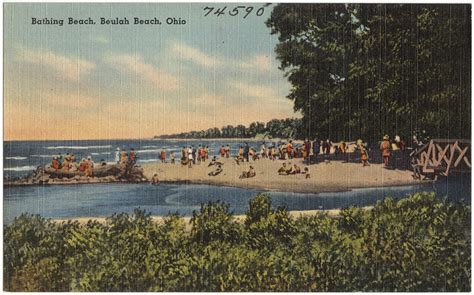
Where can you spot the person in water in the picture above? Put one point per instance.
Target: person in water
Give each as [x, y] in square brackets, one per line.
[216, 172]
[155, 180]
[172, 157]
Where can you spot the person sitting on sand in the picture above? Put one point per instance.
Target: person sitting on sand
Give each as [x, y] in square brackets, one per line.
[306, 172]
[248, 174]
[216, 172]
[214, 162]
[172, 157]
[155, 180]
[65, 166]
[295, 169]
[283, 169]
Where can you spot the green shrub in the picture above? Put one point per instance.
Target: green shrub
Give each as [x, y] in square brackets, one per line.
[414, 244]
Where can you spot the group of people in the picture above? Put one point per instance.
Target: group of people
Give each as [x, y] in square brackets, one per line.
[69, 163]
[122, 157]
[191, 156]
[293, 169]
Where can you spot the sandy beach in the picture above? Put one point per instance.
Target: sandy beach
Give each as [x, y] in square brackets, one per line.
[238, 218]
[325, 177]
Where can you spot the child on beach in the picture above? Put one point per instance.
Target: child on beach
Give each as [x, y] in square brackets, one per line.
[306, 172]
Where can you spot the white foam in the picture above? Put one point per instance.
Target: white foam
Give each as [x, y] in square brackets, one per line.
[42, 156]
[148, 151]
[148, 160]
[106, 153]
[22, 168]
[149, 146]
[16, 158]
[79, 147]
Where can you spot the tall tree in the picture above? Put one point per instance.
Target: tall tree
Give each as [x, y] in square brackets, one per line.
[364, 70]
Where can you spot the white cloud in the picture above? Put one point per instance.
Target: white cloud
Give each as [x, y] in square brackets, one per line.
[259, 62]
[69, 68]
[195, 55]
[159, 78]
[253, 91]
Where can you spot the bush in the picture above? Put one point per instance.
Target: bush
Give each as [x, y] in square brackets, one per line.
[415, 244]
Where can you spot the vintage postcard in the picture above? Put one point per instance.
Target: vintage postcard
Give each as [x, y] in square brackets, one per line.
[236, 147]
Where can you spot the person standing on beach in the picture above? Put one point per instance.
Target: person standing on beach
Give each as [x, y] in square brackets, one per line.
[385, 149]
[246, 152]
[172, 157]
[307, 145]
[184, 154]
[117, 156]
[289, 149]
[190, 156]
[123, 159]
[133, 156]
[90, 167]
[263, 152]
[316, 149]
[193, 151]
[206, 151]
[227, 151]
[199, 152]
[163, 156]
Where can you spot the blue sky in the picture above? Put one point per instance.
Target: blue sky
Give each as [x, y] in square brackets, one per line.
[136, 81]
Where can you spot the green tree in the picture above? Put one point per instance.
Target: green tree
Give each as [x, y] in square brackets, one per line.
[362, 70]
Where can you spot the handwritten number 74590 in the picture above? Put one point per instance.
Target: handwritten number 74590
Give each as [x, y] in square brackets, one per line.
[244, 10]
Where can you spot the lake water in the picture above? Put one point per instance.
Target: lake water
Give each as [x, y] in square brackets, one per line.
[69, 201]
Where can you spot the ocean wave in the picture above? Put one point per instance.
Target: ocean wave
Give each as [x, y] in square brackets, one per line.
[16, 158]
[96, 154]
[42, 156]
[22, 168]
[148, 151]
[149, 146]
[148, 160]
[78, 147]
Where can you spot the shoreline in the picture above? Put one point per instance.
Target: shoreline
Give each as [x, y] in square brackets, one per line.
[237, 217]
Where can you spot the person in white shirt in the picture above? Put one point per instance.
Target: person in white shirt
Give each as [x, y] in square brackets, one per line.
[117, 156]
